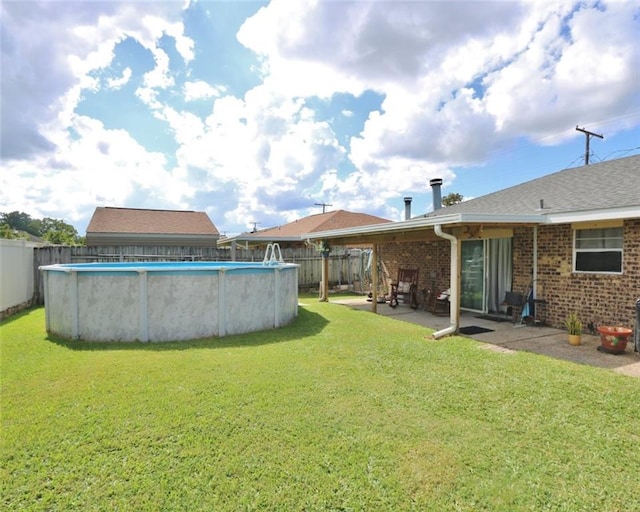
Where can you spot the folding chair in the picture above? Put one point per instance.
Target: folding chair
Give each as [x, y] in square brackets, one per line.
[514, 303]
[442, 305]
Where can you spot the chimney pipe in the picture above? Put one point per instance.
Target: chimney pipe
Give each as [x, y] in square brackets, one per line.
[407, 208]
[436, 185]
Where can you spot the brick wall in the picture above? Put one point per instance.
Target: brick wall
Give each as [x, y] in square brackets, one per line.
[596, 298]
[522, 275]
[432, 258]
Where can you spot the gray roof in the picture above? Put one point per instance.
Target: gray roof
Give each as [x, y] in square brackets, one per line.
[599, 192]
[609, 184]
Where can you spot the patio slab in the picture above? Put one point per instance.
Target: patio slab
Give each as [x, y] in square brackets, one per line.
[504, 336]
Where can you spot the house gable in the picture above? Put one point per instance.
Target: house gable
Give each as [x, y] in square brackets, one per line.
[293, 232]
[133, 226]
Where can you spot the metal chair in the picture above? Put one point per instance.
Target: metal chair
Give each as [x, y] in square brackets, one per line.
[442, 305]
[514, 303]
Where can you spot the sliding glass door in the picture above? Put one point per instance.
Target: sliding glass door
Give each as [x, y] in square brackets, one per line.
[486, 273]
[499, 272]
[472, 281]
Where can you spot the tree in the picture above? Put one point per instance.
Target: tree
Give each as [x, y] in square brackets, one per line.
[55, 231]
[451, 199]
[20, 221]
[58, 232]
[9, 233]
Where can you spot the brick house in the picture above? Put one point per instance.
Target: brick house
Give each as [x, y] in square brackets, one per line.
[291, 235]
[571, 238]
[111, 226]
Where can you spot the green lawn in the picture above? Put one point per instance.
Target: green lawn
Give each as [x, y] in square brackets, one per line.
[343, 410]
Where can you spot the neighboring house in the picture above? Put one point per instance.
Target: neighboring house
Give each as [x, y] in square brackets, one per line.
[572, 237]
[111, 226]
[291, 235]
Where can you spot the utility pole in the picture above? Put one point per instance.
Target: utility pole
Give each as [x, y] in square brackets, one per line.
[589, 135]
[323, 206]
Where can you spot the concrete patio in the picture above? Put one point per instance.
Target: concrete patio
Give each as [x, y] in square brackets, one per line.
[504, 336]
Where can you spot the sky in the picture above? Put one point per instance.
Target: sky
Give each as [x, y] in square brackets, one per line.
[258, 113]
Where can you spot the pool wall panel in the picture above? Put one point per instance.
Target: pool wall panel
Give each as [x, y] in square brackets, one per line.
[109, 307]
[249, 302]
[287, 301]
[59, 313]
[182, 307]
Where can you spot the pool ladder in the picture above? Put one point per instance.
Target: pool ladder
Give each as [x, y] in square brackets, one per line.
[270, 257]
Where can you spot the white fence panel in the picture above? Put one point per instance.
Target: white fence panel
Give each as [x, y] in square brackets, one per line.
[16, 272]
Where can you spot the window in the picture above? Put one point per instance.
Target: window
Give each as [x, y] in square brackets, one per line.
[598, 250]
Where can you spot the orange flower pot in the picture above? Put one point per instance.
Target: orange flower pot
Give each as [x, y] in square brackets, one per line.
[613, 339]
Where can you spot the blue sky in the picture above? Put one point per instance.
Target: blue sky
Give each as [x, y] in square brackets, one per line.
[256, 111]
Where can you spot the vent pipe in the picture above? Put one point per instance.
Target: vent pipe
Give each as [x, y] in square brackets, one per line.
[436, 185]
[407, 208]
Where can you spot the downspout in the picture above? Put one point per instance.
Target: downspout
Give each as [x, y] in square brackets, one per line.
[453, 298]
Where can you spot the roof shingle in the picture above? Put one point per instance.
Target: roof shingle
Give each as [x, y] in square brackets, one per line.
[609, 184]
[319, 222]
[108, 219]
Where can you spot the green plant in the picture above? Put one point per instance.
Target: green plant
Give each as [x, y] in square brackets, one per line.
[573, 324]
[324, 248]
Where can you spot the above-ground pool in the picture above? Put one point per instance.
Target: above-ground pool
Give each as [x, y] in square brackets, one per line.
[167, 301]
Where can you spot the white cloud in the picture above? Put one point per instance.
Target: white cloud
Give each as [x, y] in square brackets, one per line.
[560, 80]
[200, 89]
[458, 80]
[372, 44]
[99, 167]
[158, 25]
[48, 51]
[117, 83]
[268, 147]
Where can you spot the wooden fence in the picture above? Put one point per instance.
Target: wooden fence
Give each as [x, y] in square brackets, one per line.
[348, 268]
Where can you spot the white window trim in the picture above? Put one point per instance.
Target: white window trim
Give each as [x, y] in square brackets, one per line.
[575, 251]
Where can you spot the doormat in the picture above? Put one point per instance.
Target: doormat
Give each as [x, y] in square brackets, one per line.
[494, 318]
[473, 329]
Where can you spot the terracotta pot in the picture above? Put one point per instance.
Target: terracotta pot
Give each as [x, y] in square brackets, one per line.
[613, 339]
[575, 339]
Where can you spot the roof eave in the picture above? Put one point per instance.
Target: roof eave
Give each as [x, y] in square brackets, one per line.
[625, 212]
[103, 234]
[427, 222]
[260, 239]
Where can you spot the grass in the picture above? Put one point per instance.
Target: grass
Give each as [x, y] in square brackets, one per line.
[343, 410]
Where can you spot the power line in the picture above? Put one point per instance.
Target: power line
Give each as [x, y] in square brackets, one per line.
[574, 161]
[621, 151]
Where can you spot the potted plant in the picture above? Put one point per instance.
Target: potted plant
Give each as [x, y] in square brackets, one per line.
[324, 248]
[574, 328]
[613, 339]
